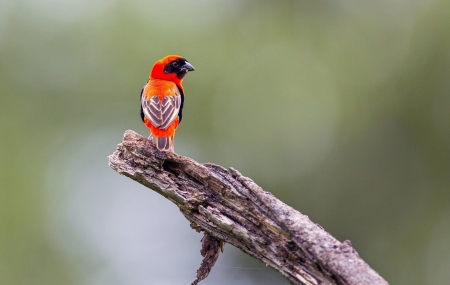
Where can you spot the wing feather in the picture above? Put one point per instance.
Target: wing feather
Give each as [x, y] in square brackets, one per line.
[162, 113]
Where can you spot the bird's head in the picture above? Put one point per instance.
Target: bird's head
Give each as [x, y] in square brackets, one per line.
[172, 67]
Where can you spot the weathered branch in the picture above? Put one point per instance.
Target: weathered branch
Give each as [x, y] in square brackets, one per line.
[232, 208]
[211, 247]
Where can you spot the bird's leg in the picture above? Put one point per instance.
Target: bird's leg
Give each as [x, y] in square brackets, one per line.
[150, 137]
[172, 144]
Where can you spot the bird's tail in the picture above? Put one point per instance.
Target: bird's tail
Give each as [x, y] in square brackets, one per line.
[165, 143]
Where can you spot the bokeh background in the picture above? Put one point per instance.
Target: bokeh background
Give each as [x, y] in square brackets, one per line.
[339, 108]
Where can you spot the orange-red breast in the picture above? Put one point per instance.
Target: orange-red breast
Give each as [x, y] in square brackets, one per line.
[162, 99]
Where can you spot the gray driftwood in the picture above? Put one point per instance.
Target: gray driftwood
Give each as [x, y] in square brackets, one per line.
[231, 208]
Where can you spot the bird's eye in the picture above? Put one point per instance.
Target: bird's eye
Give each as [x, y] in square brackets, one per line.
[175, 64]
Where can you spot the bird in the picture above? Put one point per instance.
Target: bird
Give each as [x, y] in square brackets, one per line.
[162, 99]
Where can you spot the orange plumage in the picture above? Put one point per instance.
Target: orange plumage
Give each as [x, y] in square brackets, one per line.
[162, 99]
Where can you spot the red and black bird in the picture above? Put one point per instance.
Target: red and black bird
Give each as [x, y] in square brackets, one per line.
[162, 99]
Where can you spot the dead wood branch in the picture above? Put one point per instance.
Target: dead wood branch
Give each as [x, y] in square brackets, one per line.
[211, 247]
[232, 208]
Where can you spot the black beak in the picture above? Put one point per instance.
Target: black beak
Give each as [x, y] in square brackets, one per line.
[187, 66]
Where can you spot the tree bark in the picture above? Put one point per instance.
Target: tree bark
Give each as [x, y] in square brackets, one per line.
[232, 208]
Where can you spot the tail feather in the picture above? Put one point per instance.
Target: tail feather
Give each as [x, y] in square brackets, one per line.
[165, 143]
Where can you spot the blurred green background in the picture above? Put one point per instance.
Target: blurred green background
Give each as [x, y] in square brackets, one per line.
[339, 108]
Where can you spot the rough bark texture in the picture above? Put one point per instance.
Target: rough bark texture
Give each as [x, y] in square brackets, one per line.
[232, 208]
[211, 247]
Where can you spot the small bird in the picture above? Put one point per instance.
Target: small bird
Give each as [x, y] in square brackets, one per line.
[162, 99]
